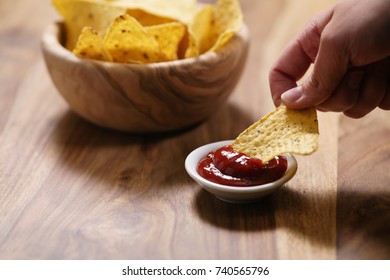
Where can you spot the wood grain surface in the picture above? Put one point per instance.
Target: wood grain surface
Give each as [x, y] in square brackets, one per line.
[72, 190]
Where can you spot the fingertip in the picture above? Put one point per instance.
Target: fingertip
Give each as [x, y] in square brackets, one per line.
[277, 101]
[296, 98]
[292, 96]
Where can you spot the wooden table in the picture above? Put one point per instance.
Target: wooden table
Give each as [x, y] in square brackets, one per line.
[71, 190]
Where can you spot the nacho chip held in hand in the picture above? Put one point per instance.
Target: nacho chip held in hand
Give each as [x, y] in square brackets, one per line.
[281, 131]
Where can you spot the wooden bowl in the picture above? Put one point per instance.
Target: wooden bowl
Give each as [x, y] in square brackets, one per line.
[145, 98]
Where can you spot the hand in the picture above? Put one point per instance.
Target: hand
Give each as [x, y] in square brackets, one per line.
[349, 45]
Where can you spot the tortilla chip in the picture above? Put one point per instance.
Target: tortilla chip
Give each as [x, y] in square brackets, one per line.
[188, 47]
[128, 41]
[80, 13]
[90, 45]
[227, 21]
[168, 36]
[147, 19]
[214, 25]
[201, 28]
[281, 131]
[178, 10]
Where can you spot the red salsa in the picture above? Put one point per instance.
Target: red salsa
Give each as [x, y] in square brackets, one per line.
[228, 167]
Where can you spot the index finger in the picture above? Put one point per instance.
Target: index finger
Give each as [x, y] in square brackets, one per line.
[297, 57]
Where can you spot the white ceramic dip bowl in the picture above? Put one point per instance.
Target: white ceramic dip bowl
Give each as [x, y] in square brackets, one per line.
[234, 194]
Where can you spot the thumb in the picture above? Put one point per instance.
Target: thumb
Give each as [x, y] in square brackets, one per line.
[329, 68]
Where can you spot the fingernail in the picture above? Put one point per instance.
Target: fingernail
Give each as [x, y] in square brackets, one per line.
[292, 95]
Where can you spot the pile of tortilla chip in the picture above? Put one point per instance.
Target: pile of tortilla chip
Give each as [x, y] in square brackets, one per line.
[146, 31]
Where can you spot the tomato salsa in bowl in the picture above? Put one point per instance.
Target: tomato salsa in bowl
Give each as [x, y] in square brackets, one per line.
[234, 177]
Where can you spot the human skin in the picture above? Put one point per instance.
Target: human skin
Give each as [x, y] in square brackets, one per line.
[349, 45]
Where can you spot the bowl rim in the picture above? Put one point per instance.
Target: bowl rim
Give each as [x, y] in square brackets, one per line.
[51, 42]
[193, 158]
